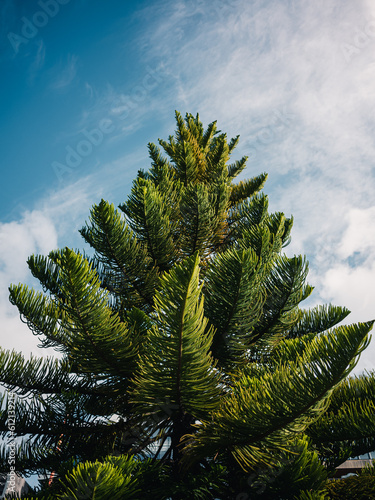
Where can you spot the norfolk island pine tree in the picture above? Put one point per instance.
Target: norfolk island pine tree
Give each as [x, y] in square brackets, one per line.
[188, 368]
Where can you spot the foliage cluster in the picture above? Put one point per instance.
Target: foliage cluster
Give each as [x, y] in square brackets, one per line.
[187, 367]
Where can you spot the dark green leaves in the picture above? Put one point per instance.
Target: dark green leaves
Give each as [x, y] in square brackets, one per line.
[234, 302]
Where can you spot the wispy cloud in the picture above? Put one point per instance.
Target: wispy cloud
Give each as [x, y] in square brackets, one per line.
[108, 118]
[37, 63]
[66, 73]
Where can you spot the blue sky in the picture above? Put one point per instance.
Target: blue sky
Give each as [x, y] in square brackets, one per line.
[86, 85]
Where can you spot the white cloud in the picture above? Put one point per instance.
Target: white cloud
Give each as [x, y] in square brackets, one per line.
[359, 236]
[35, 233]
[349, 277]
[352, 287]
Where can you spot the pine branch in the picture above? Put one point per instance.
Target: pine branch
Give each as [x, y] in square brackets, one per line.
[261, 412]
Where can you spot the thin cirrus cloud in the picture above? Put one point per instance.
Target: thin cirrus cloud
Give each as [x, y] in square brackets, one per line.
[65, 73]
[38, 61]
